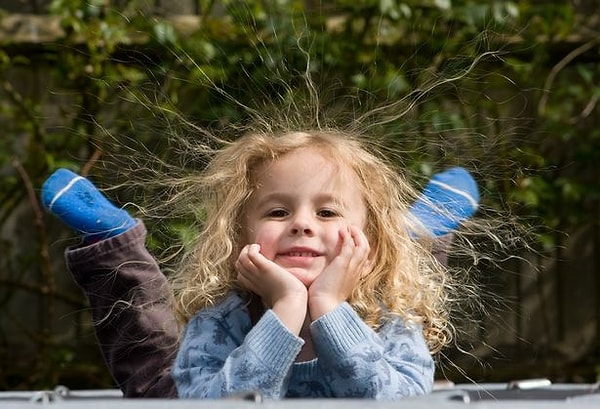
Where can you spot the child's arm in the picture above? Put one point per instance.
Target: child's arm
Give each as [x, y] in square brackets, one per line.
[358, 362]
[123, 283]
[222, 354]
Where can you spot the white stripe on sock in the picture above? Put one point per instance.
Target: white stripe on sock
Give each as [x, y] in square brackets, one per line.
[63, 191]
[458, 192]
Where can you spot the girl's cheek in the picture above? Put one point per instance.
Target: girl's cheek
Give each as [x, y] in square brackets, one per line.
[267, 251]
[267, 245]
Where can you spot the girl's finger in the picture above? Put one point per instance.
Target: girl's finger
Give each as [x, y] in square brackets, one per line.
[347, 244]
[357, 235]
[247, 257]
[360, 256]
[254, 255]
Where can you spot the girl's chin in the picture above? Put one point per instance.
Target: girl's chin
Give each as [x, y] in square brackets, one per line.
[305, 277]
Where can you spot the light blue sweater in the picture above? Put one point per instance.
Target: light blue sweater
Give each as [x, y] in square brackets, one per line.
[221, 354]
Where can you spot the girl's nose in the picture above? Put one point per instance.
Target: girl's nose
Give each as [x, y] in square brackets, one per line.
[302, 224]
[299, 230]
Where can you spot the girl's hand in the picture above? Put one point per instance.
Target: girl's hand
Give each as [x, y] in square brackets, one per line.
[278, 289]
[336, 283]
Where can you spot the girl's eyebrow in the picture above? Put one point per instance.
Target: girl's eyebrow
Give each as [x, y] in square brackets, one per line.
[271, 197]
[283, 197]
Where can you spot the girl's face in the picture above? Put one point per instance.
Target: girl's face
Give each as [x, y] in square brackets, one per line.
[298, 210]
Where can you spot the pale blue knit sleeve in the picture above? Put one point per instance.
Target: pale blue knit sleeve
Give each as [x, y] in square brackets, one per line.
[358, 362]
[222, 354]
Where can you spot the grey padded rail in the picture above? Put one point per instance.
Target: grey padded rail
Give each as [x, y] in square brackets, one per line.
[527, 394]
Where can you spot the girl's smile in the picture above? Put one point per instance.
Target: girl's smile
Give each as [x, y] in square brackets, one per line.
[297, 257]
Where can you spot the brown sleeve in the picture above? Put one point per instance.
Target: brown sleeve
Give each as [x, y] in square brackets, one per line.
[440, 247]
[128, 295]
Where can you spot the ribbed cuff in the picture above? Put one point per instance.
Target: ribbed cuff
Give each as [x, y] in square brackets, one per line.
[276, 346]
[339, 331]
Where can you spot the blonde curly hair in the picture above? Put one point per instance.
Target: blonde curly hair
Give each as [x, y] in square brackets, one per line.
[405, 280]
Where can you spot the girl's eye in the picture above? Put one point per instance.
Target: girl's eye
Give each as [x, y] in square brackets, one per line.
[327, 213]
[277, 213]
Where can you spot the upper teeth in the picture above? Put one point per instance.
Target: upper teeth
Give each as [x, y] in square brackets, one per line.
[302, 254]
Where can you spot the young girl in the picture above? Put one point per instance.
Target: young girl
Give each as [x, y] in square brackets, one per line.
[306, 280]
[127, 291]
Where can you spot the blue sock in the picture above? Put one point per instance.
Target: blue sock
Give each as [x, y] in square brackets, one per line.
[449, 198]
[81, 206]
